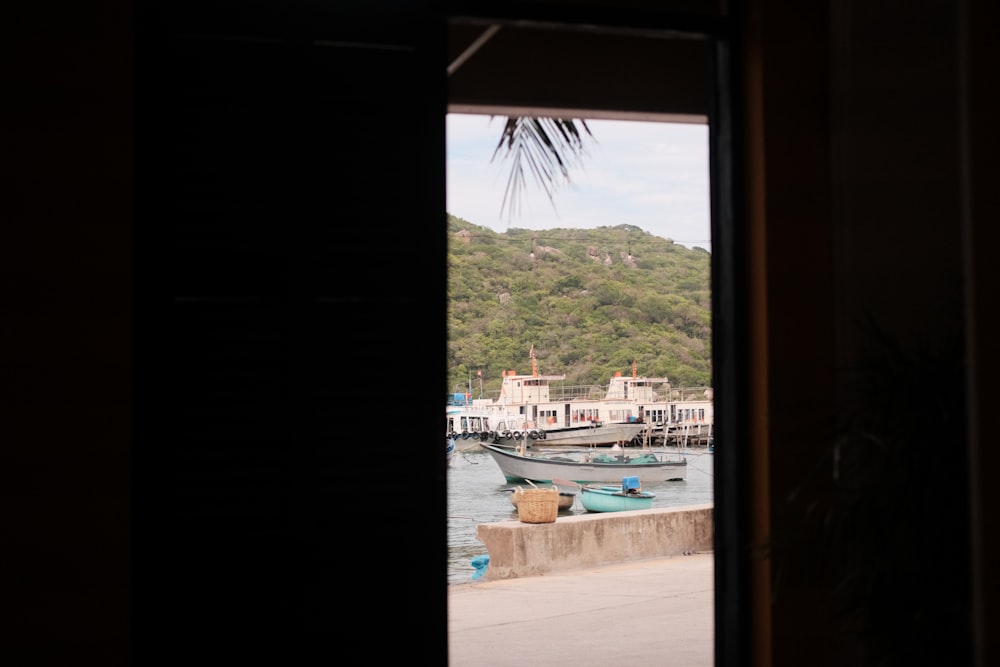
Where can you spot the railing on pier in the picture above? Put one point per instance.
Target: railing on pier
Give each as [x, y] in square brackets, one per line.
[561, 393]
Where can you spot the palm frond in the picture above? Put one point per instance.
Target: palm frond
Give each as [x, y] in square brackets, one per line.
[547, 148]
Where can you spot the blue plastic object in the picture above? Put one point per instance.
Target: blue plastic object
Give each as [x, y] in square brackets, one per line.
[480, 563]
[629, 483]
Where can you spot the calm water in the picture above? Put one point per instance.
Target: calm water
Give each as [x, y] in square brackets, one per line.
[478, 493]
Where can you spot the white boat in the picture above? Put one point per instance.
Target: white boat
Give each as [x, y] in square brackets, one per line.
[497, 425]
[592, 434]
[470, 426]
[630, 410]
[518, 464]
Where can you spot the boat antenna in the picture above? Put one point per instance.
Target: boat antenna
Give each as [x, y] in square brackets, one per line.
[534, 364]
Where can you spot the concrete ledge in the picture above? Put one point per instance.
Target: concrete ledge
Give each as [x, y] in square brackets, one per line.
[527, 549]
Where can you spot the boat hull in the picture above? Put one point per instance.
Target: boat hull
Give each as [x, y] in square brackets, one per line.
[516, 467]
[470, 425]
[607, 500]
[592, 436]
[604, 435]
[467, 443]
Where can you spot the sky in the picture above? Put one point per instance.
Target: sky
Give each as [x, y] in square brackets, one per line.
[650, 175]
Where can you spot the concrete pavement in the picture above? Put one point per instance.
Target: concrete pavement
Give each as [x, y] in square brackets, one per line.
[650, 612]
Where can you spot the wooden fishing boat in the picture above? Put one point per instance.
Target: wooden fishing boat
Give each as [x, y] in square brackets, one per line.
[628, 496]
[517, 464]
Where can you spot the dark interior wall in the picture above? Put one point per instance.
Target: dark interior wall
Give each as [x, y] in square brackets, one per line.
[980, 168]
[66, 308]
[289, 242]
[860, 182]
[900, 323]
[786, 74]
[895, 129]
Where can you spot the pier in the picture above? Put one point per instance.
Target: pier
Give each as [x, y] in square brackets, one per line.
[519, 549]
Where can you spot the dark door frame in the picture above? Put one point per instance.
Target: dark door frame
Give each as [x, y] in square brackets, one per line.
[471, 38]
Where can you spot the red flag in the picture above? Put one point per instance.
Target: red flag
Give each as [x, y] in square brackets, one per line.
[479, 373]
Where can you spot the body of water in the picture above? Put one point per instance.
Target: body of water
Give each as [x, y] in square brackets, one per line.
[478, 493]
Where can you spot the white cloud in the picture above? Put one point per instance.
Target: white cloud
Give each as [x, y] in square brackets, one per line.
[651, 175]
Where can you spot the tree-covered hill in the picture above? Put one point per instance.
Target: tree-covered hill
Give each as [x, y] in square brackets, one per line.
[589, 301]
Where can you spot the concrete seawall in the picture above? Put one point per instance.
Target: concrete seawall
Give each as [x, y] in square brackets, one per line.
[528, 549]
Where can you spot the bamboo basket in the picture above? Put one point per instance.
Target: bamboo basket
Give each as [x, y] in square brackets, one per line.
[537, 505]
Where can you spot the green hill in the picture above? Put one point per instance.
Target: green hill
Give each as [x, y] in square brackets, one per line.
[589, 301]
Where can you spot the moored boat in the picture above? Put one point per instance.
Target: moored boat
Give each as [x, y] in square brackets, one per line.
[470, 425]
[518, 464]
[626, 497]
[631, 411]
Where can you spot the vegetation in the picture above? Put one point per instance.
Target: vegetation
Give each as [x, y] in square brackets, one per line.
[590, 302]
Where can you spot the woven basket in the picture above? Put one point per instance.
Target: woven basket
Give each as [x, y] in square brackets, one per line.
[537, 505]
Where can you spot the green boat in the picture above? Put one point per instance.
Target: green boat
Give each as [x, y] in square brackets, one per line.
[628, 496]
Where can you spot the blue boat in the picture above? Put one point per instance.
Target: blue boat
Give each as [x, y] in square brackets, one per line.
[628, 496]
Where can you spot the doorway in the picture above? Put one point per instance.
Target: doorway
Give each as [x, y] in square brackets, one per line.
[698, 74]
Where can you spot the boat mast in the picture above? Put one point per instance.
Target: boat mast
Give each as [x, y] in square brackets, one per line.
[534, 374]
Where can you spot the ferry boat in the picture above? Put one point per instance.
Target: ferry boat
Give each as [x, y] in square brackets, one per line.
[633, 410]
[470, 425]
